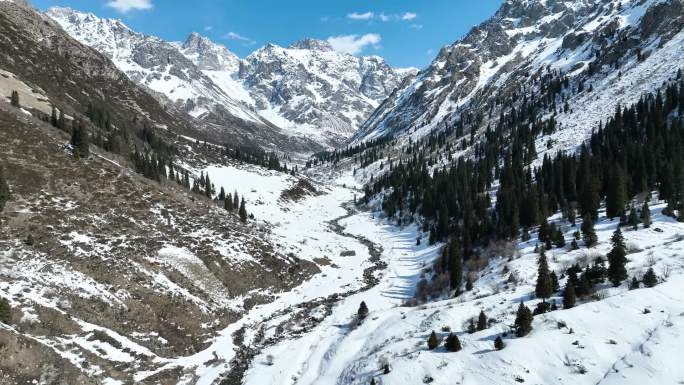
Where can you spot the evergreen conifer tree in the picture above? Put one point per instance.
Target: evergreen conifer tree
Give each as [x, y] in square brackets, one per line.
[588, 233]
[650, 279]
[544, 287]
[616, 197]
[362, 313]
[569, 297]
[646, 215]
[617, 259]
[498, 343]
[482, 321]
[523, 320]
[242, 212]
[433, 341]
[634, 284]
[452, 344]
[633, 218]
[455, 266]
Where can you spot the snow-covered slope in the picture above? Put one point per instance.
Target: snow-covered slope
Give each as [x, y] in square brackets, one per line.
[612, 51]
[615, 337]
[308, 90]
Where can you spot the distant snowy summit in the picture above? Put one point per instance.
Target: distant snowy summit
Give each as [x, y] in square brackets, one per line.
[305, 90]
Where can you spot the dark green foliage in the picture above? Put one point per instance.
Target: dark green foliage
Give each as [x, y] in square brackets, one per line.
[452, 344]
[454, 264]
[482, 321]
[541, 308]
[650, 279]
[544, 287]
[617, 259]
[616, 196]
[14, 99]
[646, 215]
[5, 311]
[4, 189]
[554, 282]
[433, 341]
[588, 233]
[498, 343]
[242, 212]
[634, 284]
[569, 296]
[523, 321]
[362, 313]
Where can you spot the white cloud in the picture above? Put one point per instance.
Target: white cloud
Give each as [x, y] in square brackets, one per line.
[384, 18]
[236, 36]
[353, 44]
[360, 16]
[409, 16]
[125, 6]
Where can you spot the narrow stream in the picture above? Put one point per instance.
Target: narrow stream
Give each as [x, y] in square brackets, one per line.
[244, 355]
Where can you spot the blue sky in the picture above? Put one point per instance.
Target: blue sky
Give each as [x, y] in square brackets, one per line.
[405, 32]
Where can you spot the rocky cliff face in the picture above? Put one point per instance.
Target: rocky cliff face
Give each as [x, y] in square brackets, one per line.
[306, 90]
[604, 48]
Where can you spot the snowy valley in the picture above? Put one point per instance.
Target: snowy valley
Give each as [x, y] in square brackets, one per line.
[171, 213]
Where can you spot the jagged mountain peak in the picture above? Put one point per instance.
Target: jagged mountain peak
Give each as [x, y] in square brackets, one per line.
[312, 44]
[208, 55]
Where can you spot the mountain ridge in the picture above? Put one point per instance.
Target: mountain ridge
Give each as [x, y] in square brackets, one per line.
[335, 91]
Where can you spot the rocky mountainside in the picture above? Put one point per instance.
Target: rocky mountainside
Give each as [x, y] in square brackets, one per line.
[307, 90]
[605, 52]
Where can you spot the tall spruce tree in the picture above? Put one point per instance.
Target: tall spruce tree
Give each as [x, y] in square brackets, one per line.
[616, 196]
[523, 320]
[569, 296]
[617, 259]
[544, 287]
[482, 321]
[242, 212]
[455, 267]
[646, 215]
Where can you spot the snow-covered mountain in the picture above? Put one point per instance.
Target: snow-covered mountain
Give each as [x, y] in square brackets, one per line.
[306, 90]
[610, 51]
